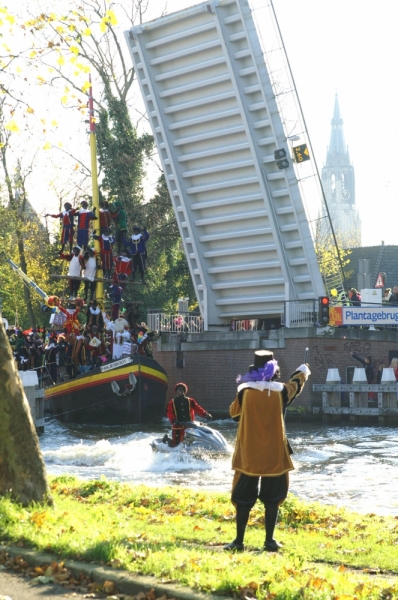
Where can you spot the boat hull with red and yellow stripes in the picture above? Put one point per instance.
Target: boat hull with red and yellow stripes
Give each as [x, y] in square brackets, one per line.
[90, 398]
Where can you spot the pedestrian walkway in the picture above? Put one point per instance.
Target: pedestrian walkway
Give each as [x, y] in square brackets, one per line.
[87, 580]
[19, 587]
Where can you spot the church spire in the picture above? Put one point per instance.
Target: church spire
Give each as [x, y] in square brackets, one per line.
[338, 180]
[337, 151]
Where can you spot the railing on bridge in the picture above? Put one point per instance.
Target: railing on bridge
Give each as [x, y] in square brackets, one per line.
[160, 321]
[292, 314]
[300, 314]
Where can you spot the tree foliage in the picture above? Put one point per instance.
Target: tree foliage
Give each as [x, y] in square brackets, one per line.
[333, 259]
[121, 154]
[168, 273]
[23, 237]
[61, 49]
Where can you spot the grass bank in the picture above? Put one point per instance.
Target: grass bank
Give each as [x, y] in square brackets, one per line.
[176, 534]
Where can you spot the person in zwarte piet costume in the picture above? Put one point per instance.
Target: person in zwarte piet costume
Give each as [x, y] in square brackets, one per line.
[182, 408]
[106, 242]
[68, 224]
[76, 264]
[262, 451]
[123, 267]
[136, 247]
[84, 217]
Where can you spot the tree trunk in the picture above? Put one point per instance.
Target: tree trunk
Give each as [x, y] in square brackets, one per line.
[22, 470]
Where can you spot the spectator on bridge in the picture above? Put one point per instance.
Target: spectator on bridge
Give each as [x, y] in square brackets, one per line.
[367, 363]
[394, 365]
[342, 299]
[355, 297]
[386, 295]
[394, 296]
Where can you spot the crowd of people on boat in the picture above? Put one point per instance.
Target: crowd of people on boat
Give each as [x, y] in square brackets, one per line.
[63, 354]
[76, 345]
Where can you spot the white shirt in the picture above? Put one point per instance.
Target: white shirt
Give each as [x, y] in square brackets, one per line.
[74, 267]
[90, 269]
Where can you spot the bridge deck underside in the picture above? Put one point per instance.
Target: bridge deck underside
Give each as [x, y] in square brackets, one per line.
[216, 125]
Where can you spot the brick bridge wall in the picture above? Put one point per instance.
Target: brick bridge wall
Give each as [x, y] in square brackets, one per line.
[210, 374]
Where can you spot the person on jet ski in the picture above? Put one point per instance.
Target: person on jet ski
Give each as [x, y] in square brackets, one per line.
[180, 409]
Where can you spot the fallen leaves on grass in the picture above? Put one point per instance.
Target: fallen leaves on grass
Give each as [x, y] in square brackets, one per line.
[248, 591]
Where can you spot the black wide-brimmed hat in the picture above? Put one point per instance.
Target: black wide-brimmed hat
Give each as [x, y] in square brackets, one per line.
[260, 358]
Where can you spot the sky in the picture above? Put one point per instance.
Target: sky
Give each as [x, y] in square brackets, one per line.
[346, 47]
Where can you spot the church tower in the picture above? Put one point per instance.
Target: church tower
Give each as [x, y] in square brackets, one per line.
[338, 180]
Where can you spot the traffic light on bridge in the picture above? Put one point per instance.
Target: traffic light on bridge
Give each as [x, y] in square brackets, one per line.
[281, 160]
[324, 307]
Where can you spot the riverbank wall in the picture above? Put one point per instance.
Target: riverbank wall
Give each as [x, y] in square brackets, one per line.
[209, 362]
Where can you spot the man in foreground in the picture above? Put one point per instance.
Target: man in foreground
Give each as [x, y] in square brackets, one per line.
[262, 451]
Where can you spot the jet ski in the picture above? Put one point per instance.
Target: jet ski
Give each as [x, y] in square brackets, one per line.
[199, 439]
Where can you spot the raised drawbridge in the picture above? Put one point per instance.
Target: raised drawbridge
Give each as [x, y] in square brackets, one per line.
[217, 126]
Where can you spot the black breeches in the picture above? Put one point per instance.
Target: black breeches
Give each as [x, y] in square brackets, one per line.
[74, 285]
[89, 285]
[273, 490]
[138, 264]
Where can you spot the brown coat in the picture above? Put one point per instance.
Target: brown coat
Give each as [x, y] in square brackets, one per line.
[261, 447]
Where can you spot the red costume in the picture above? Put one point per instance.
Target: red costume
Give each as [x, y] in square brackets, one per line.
[123, 268]
[84, 217]
[180, 409]
[68, 224]
[106, 242]
[71, 324]
[105, 219]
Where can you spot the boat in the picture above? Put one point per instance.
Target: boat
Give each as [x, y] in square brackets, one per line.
[124, 390]
[199, 439]
[128, 390]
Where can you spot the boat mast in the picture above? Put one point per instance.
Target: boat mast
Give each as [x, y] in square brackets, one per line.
[99, 288]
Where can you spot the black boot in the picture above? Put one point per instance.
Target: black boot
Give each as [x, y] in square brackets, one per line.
[271, 517]
[242, 517]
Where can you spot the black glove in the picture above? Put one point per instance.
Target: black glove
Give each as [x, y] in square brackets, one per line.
[208, 416]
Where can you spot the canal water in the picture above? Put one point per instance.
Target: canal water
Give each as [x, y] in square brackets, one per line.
[345, 466]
